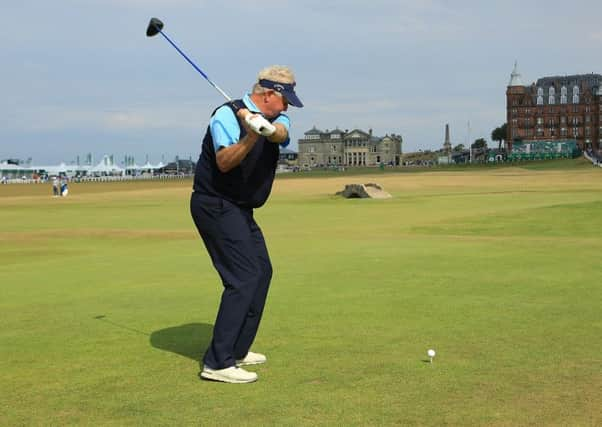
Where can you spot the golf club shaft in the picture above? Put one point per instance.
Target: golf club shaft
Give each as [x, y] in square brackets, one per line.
[196, 68]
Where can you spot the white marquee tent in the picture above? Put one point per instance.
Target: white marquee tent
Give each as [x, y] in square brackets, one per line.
[106, 167]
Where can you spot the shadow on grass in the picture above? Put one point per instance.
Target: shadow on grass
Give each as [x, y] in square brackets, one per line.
[189, 340]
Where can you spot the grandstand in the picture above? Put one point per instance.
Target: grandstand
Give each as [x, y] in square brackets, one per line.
[541, 150]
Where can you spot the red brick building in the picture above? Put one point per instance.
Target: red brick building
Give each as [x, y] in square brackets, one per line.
[555, 109]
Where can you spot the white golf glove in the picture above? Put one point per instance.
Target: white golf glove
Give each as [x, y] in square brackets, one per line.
[260, 125]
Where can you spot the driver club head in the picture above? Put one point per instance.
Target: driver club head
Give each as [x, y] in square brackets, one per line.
[154, 26]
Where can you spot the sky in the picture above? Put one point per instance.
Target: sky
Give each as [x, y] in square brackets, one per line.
[79, 77]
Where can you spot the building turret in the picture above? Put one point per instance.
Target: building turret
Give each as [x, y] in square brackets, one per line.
[515, 77]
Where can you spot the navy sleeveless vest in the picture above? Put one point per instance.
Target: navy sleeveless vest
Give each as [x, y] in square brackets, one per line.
[247, 185]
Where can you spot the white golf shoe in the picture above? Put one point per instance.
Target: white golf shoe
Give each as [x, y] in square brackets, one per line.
[252, 359]
[233, 374]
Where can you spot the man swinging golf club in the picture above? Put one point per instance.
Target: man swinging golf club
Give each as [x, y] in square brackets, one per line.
[234, 175]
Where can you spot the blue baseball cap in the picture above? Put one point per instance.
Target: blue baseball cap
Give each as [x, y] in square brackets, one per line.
[286, 89]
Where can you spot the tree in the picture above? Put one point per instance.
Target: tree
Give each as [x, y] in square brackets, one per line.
[499, 134]
[458, 148]
[479, 143]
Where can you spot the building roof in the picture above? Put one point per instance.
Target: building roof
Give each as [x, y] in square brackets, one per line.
[325, 136]
[590, 82]
[357, 131]
[593, 81]
[313, 131]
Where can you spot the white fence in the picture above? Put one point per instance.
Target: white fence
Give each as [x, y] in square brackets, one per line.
[102, 179]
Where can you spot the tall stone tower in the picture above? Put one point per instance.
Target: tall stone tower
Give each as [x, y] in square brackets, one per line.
[447, 146]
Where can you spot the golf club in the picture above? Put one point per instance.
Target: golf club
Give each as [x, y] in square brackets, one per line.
[156, 26]
[257, 122]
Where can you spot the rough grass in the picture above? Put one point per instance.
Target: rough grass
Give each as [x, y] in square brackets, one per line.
[108, 300]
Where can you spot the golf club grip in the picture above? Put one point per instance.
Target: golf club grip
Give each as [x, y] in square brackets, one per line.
[236, 105]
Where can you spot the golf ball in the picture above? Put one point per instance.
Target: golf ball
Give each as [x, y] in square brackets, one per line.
[431, 353]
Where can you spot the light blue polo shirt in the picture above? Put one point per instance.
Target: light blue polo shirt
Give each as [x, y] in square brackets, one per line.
[225, 129]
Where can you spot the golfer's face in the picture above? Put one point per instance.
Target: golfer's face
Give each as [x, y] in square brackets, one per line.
[274, 103]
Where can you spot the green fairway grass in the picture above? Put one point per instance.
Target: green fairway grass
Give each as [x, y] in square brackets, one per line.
[108, 300]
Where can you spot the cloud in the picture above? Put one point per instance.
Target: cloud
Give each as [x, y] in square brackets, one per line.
[402, 66]
[596, 36]
[52, 119]
[150, 3]
[389, 22]
[354, 107]
[126, 120]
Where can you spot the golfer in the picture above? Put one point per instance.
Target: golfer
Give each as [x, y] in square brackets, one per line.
[64, 188]
[234, 175]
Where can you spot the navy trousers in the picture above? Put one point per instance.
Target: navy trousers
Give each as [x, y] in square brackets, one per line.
[237, 249]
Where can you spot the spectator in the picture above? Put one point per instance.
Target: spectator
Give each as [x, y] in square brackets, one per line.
[55, 187]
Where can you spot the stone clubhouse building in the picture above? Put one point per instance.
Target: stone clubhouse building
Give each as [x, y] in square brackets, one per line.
[355, 148]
